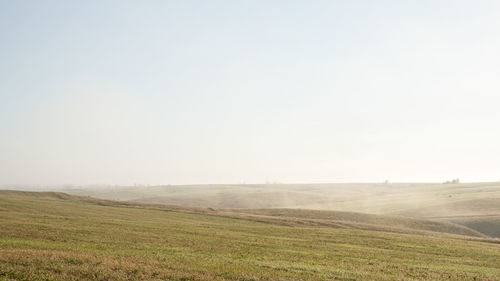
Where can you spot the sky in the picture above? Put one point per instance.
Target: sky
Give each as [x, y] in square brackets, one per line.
[186, 92]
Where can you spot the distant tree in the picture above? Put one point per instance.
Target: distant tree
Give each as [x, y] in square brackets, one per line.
[453, 181]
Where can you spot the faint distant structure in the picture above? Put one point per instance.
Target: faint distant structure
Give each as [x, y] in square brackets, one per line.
[453, 181]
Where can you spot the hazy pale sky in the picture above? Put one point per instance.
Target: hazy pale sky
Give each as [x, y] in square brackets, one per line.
[178, 92]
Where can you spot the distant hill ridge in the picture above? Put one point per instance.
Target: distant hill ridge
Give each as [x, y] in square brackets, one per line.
[295, 217]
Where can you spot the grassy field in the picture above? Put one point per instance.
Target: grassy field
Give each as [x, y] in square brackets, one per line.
[475, 205]
[354, 197]
[53, 236]
[368, 221]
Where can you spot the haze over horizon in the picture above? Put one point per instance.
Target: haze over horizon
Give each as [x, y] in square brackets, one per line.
[186, 92]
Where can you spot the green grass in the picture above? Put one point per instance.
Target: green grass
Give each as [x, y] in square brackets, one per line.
[475, 205]
[368, 221]
[481, 214]
[49, 236]
[354, 197]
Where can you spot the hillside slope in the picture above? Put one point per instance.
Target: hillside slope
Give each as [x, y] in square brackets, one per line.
[293, 217]
[53, 236]
[474, 205]
[354, 197]
[481, 214]
[368, 221]
[489, 206]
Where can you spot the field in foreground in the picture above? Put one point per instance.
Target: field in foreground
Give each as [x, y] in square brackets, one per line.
[53, 236]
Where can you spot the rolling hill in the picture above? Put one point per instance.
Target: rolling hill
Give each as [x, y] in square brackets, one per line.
[55, 236]
[367, 221]
[474, 205]
[481, 214]
[354, 197]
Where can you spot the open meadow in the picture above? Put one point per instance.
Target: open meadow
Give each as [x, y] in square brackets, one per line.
[250, 140]
[476, 205]
[55, 236]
